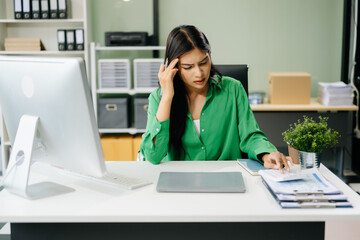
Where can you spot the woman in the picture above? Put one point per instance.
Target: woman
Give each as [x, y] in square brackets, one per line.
[197, 114]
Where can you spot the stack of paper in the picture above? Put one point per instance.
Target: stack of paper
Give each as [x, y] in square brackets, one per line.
[312, 191]
[23, 44]
[337, 93]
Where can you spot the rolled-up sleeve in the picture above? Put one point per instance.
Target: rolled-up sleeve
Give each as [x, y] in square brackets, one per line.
[154, 153]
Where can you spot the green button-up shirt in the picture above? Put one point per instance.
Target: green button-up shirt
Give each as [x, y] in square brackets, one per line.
[227, 127]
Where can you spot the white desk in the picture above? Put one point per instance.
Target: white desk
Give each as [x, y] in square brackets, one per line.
[96, 203]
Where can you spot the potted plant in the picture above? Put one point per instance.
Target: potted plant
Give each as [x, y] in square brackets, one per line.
[310, 139]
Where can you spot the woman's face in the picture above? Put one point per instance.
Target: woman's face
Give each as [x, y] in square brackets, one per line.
[194, 69]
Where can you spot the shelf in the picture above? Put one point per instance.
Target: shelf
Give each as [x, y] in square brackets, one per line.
[48, 21]
[314, 106]
[129, 48]
[7, 143]
[121, 130]
[124, 91]
[95, 50]
[41, 52]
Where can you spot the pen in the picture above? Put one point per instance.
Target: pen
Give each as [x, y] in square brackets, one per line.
[166, 63]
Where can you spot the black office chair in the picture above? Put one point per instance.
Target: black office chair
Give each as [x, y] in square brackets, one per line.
[237, 71]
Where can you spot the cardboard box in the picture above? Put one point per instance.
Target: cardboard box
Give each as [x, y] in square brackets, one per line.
[289, 87]
[117, 148]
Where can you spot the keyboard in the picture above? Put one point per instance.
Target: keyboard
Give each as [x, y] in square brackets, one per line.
[277, 176]
[113, 179]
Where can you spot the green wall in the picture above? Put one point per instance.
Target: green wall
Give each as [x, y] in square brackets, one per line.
[268, 35]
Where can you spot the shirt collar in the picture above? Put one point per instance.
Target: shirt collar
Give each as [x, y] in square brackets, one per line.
[215, 82]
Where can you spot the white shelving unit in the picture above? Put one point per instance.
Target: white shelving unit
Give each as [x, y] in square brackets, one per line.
[94, 56]
[46, 30]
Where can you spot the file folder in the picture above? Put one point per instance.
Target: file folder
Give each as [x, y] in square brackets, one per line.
[44, 8]
[62, 4]
[61, 40]
[79, 38]
[314, 191]
[26, 9]
[35, 9]
[54, 9]
[70, 40]
[18, 13]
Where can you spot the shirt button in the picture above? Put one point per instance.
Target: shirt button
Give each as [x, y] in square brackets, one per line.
[203, 114]
[157, 129]
[202, 148]
[202, 130]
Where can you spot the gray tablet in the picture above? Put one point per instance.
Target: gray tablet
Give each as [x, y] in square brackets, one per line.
[204, 182]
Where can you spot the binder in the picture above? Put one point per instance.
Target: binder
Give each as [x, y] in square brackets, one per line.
[54, 9]
[79, 39]
[26, 9]
[18, 13]
[70, 40]
[61, 40]
[62, 4]
[35, 9]
[44, 8]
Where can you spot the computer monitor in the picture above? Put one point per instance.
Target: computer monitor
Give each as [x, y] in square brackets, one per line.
[46, 104]
[237, 71]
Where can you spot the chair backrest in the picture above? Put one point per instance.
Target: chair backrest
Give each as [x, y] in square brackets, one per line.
[237, 71]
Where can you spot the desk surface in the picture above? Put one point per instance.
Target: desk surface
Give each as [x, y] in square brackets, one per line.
[313, 106]
[94, 202]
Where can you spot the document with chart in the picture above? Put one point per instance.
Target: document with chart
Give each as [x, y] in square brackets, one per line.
[309, 190]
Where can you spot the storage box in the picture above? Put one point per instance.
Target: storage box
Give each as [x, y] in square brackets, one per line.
[140, 112]
[23, 44]
[117, 148]
[289, 87]
[113, 113]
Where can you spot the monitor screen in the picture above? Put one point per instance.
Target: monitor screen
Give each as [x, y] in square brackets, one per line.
[55, 90]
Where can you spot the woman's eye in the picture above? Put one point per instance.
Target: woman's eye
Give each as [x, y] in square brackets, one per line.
[187, 68]
[203, 63]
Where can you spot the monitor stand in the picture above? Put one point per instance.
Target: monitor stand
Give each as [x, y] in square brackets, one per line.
[18, 171]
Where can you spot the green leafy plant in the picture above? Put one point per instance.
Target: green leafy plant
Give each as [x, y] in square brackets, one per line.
[311, 136]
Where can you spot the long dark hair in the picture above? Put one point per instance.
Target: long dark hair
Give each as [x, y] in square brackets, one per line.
[181, 40]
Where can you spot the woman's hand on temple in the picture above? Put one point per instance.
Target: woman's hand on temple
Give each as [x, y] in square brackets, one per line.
[277, 160]
[166, 78]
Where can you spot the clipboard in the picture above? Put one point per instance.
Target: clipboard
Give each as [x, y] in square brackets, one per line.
[314, 191]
